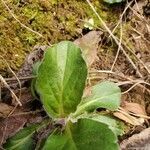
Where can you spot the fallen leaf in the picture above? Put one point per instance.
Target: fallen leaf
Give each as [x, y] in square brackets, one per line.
[10, 126]
[128, 119]
[139, 141]
[89, 45]
[5, 110]
[134, 108]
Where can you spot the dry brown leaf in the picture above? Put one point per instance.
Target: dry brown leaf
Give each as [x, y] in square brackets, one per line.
[139, 141]
[5, 110]
[89, 45]
[128, 119]
[10, 126]
[135, 108]
[87, 91]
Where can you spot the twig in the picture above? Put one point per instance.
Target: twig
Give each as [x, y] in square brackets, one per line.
[12, 111]
[14, 75]
[20, 78]
[117, 54]
[27, 113]
[5, 83]
[121, 17]
[131, 87]
[137, 6]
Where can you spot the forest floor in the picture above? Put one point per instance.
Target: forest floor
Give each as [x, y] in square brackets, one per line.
[118, 51]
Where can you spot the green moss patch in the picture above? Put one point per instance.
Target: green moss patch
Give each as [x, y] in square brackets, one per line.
[55, 21]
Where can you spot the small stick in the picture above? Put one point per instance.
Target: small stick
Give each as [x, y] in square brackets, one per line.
[14, 75]
[5, 83]
[117, 54]
[131, 87]
[20, 78]
[120, 20]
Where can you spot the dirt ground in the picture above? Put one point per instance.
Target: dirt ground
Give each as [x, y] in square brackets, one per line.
[126, 62]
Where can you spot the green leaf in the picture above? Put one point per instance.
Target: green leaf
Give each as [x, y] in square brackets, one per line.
[89, 23]
[104, 95]
[85, 134]
[35, 72]
[61, 79]
[23, 140]
[113, 1]
[115, 125]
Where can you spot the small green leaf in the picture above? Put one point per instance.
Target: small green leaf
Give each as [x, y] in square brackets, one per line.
[35, 72]
[104, 95]
[23, 140]
[89, 23]
[61, 79]
[113, 1]
[85, 134]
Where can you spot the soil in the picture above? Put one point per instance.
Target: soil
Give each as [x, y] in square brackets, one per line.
[21, 48]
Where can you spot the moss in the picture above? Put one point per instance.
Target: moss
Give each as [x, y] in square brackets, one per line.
[56, 22]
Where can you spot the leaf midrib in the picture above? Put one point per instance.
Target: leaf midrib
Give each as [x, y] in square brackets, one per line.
[61, 108]
[96, 99]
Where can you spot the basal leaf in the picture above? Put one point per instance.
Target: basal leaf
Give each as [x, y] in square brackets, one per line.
[115, 125]
[61, 79]
[104, 95]
[85, 134]
[35, 72]
[113, 1]
[23, 140]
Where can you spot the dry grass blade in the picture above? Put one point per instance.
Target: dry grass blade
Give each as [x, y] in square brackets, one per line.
[134, 85]
[20, 78]
[117, 54]
[121, 17]
[127, 118]
[13, 94]
[134, 114]
[14, 75]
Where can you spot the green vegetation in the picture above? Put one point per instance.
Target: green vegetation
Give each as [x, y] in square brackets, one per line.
[60, 82]
[56, 22]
